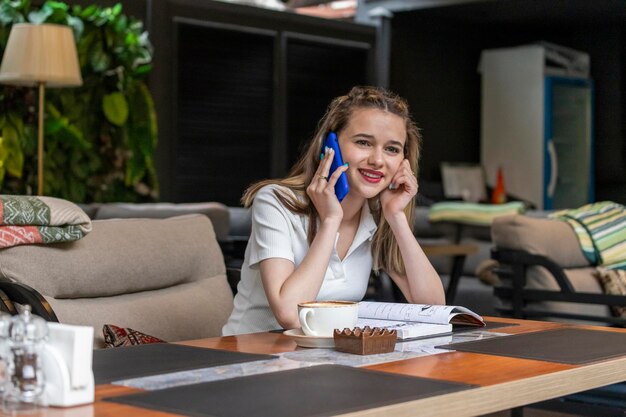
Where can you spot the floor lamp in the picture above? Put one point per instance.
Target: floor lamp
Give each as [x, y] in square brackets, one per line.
[44, 56]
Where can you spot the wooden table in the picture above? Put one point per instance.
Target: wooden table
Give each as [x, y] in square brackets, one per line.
[504, 382]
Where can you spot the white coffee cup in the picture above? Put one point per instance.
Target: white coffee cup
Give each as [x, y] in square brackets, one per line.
[321, 318]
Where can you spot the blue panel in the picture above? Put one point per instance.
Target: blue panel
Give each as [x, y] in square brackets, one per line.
[551, 82]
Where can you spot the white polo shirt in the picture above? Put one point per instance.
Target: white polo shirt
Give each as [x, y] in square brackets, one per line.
[279, 233]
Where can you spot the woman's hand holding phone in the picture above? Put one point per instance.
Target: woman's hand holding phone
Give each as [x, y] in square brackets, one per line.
[341, 187]
[321, 190]
[401, 190]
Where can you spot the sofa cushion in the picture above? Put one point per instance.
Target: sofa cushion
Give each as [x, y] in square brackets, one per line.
[423, 228]
[551, 238]
[90, 209]
[240, 223]
[119, 257]
[115, 336]
[188, 311]
[217, 212]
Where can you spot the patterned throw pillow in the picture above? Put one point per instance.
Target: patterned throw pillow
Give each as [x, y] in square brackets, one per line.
[613, 282]
[32, 220]
[115, 336]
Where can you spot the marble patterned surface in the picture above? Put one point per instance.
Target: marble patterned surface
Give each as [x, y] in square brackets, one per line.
[303, 357]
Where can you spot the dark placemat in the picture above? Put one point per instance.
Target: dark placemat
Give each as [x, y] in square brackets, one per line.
[571, 346]
[160, 358]
[322, 390]
[489, 325]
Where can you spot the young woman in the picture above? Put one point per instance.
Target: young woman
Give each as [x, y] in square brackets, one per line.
[305, 245]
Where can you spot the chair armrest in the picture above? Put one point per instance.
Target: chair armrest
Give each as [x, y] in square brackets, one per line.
[23, 294]
[514, 265]
[525, 259]
[6, 305]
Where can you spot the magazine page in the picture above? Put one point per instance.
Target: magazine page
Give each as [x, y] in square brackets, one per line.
[463, 315]
[424, 313]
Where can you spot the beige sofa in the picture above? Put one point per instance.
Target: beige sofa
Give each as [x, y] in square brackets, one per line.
[545, 274]
[218, 213]
[163, 277]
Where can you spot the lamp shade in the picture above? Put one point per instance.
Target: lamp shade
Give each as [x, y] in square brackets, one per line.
[40, 53]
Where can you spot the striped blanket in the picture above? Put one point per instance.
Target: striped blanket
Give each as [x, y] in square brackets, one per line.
[601, 230]
[472, 213]
[27, 220]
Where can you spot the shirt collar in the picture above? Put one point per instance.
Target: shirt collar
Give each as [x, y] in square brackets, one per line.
[367, 225]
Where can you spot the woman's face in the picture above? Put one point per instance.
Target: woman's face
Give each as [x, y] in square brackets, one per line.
[372, 144]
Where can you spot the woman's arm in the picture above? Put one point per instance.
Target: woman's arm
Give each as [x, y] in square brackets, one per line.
[421, 283]
[287, 285]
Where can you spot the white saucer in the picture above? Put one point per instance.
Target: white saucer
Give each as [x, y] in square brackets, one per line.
[303, 340]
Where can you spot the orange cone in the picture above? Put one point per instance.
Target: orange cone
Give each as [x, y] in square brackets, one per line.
[499, 194]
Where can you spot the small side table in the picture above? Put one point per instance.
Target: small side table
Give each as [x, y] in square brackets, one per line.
[458, 253]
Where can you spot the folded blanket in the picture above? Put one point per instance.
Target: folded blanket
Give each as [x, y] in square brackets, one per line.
[472, 213]
[613, 282]
[601, 230]
[27, 220]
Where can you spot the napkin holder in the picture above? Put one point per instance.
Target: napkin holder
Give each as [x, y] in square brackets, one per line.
[365, 341]
[67, 365]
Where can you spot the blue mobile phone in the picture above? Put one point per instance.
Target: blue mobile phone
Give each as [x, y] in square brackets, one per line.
[341, 188]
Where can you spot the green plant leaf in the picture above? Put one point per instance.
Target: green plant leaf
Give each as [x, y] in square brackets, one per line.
[142, 69]
[39, 16]
[88, 12]
[143, 123]
[121, 23]
[77, 26]
[135, 170]
[4, 152]
[10, 13]
[14, 120]
[98, 58]
[14, 159]
[115, 108]
[57, 5]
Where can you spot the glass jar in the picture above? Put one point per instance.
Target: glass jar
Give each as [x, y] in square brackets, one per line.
[26, 335]
[5, 320]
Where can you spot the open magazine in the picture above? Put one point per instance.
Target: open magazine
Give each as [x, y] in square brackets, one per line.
[415, 320]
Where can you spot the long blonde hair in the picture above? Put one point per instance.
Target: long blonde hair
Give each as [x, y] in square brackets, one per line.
[385, 250]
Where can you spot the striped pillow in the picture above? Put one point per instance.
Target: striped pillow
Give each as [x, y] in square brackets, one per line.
[601, 230]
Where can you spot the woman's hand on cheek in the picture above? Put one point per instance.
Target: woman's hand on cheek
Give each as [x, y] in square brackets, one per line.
[401, 190]
[321, 190]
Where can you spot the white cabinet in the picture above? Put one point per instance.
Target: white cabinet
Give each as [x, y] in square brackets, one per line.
[536, 123]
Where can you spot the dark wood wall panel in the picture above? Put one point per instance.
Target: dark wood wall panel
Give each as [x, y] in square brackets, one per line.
[317, 72]
[224, 112]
